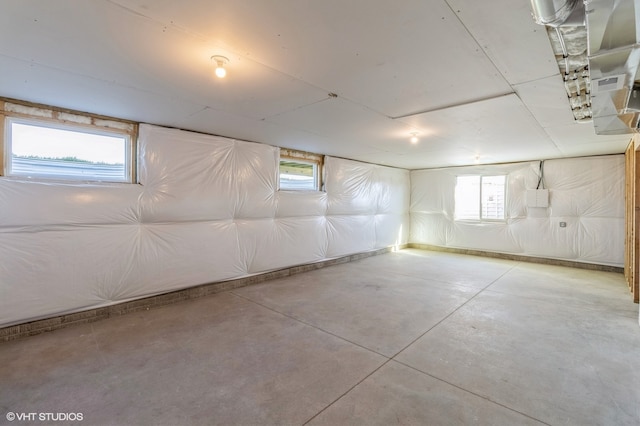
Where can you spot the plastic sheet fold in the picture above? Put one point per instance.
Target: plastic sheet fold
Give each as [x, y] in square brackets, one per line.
[207, 209]
[585, 194]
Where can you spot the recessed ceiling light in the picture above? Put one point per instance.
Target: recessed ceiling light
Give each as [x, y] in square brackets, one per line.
[414, 137]
[220, 62]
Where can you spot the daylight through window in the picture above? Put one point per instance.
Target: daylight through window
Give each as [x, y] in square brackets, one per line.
[60, 150]
[480, 197]
[299, 171]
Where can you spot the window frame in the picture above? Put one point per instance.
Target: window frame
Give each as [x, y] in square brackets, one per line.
[316, 160]
[13, 111]
[480, 218]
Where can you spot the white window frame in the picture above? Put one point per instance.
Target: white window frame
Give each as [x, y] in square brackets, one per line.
[18, 112]
[480, 218]
[315, 160]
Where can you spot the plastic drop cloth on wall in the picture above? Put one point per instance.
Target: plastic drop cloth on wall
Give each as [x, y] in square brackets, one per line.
[379, 195]
[206, 210]
[585, 193]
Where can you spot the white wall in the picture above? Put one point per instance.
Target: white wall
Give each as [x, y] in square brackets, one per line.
[207, 210]
[587, 193]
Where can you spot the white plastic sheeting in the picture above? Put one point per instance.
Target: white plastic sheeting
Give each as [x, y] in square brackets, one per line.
[586, 193]
[207, 209]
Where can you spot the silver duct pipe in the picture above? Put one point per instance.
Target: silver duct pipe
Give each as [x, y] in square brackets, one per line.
[614, 63]
[572, 43]
[597, 46]
[569, 44]
[554, 13]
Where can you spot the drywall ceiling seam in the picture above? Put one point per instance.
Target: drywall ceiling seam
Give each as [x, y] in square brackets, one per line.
[532, 115]
[108, 82]
[205, 40]
[459, 104]
[513, 89]
[476, 41]
[327, 98]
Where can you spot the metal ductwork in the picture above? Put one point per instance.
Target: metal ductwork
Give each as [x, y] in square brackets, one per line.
[555, 13]
[614, 58]
[597, 45]
[565, 24]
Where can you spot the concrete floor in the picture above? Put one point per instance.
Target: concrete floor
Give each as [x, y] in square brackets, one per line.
[413, 337]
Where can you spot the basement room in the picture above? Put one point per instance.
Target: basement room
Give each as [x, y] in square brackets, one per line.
[296, 212]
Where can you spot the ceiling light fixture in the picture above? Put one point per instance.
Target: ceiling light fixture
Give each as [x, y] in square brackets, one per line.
[414, 137]
[220, 61]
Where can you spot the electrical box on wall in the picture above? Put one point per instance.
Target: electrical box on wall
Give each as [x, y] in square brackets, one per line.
[537, 198]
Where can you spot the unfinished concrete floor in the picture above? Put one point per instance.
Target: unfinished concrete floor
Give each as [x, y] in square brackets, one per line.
[414, 337]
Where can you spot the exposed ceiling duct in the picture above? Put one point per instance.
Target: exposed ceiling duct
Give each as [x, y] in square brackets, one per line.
[555, 13]
[596, 43]
[569, 44]
[565, 23]
[614, 56]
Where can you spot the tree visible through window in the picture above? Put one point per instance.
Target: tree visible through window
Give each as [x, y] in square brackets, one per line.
[480, 197]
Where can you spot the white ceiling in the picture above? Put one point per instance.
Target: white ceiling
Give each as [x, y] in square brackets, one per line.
[477, 80]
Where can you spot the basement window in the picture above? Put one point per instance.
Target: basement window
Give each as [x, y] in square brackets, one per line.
[41, 143]
[300, 171]
[480, 198]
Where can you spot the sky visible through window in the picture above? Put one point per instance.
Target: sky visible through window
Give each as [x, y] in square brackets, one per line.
[28, 140]
[297, 175]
